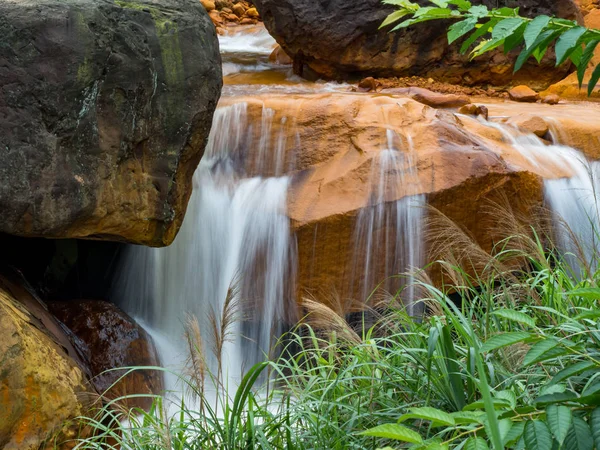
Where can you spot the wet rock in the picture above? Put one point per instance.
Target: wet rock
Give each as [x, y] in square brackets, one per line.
[279, 56]
[342, 39]
[249, 21]
[339, 138]
[530, 124]
[524, 94]
[474, 110]
[41, 385]
[110, 339]
[106, 107]
[551, 99]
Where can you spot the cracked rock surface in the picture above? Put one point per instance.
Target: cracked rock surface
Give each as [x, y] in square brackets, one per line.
[105, 108]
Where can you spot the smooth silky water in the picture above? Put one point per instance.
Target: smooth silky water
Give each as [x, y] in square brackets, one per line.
[573, 200]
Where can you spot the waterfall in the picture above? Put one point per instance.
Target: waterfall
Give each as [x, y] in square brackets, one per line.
[388, 235]
[573, 200]
[234, 243]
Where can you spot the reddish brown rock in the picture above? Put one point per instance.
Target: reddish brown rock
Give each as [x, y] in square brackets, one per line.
[551, 99]
[461, 165]
[474, 110]
[524, 94]
[530, 124]
[433, 99]
[110, 339]
[368, 84]
[279, 56]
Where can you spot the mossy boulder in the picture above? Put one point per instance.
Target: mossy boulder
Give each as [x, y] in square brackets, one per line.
[42, 384]
[105, 108]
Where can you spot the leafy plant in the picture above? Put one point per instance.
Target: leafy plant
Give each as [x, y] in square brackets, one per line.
[483, 30]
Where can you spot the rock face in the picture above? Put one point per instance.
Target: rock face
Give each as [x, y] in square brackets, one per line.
[105, 107]
[41, 386]
[339, 38]
[334, 146]
[110, 339]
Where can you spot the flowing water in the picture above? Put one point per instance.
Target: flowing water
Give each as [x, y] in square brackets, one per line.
[236, 246]
[573, 200]
[388, 239]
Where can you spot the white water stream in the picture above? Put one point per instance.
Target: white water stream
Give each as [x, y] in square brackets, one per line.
[574, 201]
[388, 239]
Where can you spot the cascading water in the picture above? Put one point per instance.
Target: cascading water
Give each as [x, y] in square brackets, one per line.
[388, 238]
[235, 241]
[573, 200]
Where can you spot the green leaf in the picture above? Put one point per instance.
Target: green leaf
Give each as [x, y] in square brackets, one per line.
[588, 54]
[537, 436]
[514, 434]
[590, 395]
[463, 5]
[395, 432]
[440, 3]
[514, 39]
[435, 444]
[542, 41]
[595, 426]
[481, 31]
[499, 403]
[504, 339]
[459, 29]
[479, 11]
[533, 30]
[567, 42]
[427, 413]
[467, 417]
[515, 316]
[573, 370]
[590, 293]
[557, 397]
[538, 352]
[559, 420]
[579, 436]
[506, 27]
[509, 396]
[594, 80]
[476, 443]
[394, 17]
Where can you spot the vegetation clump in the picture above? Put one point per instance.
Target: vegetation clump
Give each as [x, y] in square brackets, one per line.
[508, 356]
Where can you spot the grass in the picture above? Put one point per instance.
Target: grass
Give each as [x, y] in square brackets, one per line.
[508, 356]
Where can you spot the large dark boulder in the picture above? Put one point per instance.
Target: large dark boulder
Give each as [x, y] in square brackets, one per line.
[105, 108]
[340, 39]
